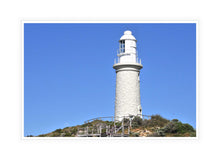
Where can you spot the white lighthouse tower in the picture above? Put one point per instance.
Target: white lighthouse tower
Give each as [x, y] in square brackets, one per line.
[127, 66]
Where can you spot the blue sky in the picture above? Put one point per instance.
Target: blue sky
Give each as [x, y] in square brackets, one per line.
[68, 74]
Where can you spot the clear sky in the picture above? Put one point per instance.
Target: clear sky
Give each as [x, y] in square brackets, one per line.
[68, 74]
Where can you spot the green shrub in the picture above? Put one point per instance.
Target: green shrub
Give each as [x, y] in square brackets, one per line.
[126, 120]
[188, 128]
[175, 120]
[137, 122]
[134, 134]
[74, 131]
[30, 136]
[155, 121]
[55, 134]
[109, 122]
[42, 135]
[118, 124]
[58, 130]
[159, 121]
[193, 134]
[68, 135]
[175, 126]
[161, 132]
[171, 127]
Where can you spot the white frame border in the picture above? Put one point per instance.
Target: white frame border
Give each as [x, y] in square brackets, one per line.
[108, 138]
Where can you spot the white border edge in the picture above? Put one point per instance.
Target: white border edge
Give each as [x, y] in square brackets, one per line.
[22, 22]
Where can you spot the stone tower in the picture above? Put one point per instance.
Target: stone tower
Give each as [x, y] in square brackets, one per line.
[127, 66]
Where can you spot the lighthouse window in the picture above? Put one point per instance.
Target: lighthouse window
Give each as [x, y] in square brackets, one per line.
[122, 46]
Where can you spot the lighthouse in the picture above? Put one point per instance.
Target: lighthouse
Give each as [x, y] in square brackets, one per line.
[127, 67]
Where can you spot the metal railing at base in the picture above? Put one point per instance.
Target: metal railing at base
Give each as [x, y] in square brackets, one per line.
[116, 129]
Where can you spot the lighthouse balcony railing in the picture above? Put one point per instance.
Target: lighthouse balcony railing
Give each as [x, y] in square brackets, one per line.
[117, 61]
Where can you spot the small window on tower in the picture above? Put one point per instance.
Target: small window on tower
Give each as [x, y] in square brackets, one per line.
[122, 46]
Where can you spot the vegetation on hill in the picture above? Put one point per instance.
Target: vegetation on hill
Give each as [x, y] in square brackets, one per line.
[161, 127]
[156, 126]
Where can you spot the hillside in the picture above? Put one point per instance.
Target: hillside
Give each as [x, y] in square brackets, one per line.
[156, 126]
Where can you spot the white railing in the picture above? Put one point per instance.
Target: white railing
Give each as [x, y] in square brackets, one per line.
[110, 130]
[117, 60]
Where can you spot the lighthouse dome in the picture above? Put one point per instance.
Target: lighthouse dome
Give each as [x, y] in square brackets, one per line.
[127, 35]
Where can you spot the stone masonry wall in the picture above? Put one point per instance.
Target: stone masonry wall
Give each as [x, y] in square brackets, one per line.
[127, 101]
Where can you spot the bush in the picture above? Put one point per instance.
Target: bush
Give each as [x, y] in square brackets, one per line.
[74, 131]
[55, 134]
[109, 122]
[126, 120]
[58, 130]
[159, 121]
[118, 124]
[171, 127]
[193, 134]
[42, 135]
[30, 136]
[134, 134]
[68, 135]
[155, 121]
[175, 126]
[137, 122]
[188, 128]
[175, 120]
[161, 132]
